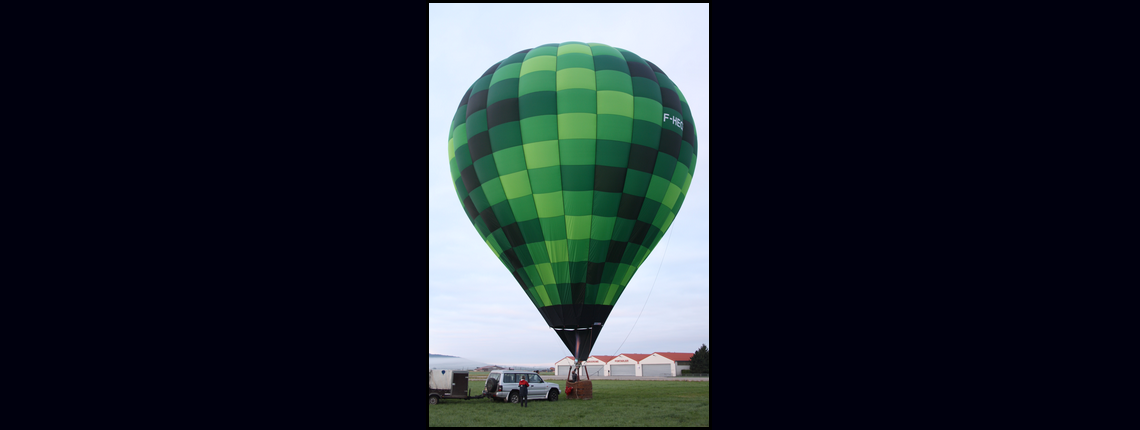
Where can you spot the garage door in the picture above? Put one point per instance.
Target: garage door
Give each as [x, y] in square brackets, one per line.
[622, 370]
[656, 370]
[594, 370]
[563, 370]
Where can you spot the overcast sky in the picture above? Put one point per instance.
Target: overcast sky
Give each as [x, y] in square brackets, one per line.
[476, 310]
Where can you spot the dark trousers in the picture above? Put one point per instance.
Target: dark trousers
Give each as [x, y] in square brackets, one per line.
[523, 393]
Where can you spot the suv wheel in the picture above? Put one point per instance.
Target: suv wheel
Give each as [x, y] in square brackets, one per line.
[492, 385]
[552, 395]
[514, 397]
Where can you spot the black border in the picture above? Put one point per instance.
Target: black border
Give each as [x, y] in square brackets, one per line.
[237, 265]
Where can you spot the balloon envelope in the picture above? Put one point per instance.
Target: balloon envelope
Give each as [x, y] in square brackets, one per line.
[571, 160]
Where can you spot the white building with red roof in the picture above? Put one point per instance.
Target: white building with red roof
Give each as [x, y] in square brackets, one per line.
[562, 367]
[631, 364]
[597, 365]
[665, 363]
[626, 365]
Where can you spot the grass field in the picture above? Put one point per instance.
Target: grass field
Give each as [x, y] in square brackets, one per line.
[615, 403]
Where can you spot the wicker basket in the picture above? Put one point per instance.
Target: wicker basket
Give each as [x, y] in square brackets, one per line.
[581, 390]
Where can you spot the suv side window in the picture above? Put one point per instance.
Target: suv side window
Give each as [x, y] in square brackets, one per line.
[535, 378]
[510, 378]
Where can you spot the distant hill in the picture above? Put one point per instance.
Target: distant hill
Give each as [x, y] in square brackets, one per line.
[441, 361]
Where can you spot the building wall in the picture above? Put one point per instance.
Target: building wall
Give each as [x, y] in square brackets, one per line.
[658, 360]
[623, 360]
[595, 367]
[593, 362]
[562, 366]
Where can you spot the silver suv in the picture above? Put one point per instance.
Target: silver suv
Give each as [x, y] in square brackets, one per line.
[503, 385]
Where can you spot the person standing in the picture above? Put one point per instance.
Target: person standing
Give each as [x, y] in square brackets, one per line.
[523, 386]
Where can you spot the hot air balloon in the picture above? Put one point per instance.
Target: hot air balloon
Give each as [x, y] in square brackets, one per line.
[572, 160]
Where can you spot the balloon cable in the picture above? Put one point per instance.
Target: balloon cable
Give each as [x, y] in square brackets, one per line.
[650, 291]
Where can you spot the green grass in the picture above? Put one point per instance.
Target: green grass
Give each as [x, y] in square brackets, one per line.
[615, 403]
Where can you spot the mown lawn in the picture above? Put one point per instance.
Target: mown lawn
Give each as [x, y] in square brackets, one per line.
[615, 403]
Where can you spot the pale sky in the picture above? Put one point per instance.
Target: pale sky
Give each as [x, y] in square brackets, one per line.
[476, 310]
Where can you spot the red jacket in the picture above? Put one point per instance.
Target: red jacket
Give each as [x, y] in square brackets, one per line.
[523, 383]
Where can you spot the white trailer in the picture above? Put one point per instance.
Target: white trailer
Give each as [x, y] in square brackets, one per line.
[448, 384]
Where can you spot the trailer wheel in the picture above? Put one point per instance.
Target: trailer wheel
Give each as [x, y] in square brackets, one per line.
[433, 399]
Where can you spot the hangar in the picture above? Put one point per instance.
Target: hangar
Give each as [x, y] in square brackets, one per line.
[665, 363]
[595, 365]
[626, 364]
[655, 364]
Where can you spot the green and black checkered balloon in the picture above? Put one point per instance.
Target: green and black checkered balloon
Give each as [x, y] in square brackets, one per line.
[572, 160]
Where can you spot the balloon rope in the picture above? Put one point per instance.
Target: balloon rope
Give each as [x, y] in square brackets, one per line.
[650, 291]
